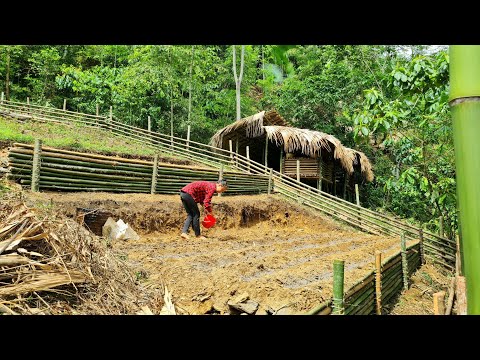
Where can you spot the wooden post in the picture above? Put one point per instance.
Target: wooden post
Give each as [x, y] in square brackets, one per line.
[236, 152]
[357, 195]
[422, 250]
[149, 124]
[97, 110]
[378, 281]
[111, 114]
[403, 246]
[320, 176]
[220, 175]
[439, 303]
[270, 181]
[37, 151]
[1, 99]
[281, 160]
[28, 101]
[266, 150]
[338, 282]
[154, 174]
[345, 186]
[188, 137]
[231, 150]
[298, 170]
[461, 296]
[64, 104]
[458, 257]
[451, 295]
[247, 149]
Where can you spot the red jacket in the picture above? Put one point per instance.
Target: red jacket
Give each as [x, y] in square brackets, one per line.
[201, 192]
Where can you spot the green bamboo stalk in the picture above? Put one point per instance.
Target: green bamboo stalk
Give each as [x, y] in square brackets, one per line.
[338, 281]
[465, 109]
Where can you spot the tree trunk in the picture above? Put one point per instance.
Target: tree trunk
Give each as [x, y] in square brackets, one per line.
[190, 89]
[7, 76]
[238, 80]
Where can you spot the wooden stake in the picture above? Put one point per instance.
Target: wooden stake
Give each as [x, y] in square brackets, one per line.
[154, 174]
[220, 175]
[230, 145]
[36, 165]
[357, 194]
[422, 249]
[270, 181]
[451, 295]
[440, 230]
[378, 281]
[439, 303]
[1, 99]
[64, 104]
[28, 101]
[111, 113]
[281, 160]
[298, 170]
[338, 282]
[247, 148]
[461, 296]
[403, 246]
[149, 124]
[97, 110]
[188, 137]
[266, 150]
[236, 152]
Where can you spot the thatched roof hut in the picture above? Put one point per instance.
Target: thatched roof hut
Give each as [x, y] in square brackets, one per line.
[292, 140]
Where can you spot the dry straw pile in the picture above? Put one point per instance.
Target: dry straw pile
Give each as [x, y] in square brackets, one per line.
[53, 265]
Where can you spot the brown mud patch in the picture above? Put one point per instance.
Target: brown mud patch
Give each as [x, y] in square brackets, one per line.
[277, 252]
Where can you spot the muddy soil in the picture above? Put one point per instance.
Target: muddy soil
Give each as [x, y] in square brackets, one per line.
[274, 251]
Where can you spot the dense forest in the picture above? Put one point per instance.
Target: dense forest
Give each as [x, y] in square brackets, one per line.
[387, 101]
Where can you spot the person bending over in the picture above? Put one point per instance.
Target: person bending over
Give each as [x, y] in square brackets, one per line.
[198, 192]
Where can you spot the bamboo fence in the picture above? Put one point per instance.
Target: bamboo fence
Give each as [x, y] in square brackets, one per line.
[437, 248]
[75, 171]
[360, 298]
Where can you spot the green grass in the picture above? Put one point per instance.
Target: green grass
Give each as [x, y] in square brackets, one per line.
[73, 137]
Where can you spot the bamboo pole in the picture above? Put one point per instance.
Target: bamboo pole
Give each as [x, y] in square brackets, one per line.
[188, 137]
[281, 160]
[465, 109]
[64, 104]
[439, 303]
[270, 182]
[338, 282]
[357, 195]
[247, 148]
[97, 110]
[378, 281]
[2, 98]
[422, 249]
[149, 124]
[154, 174]
[220, 174]
[451, 295]
[266, 150]
[404, 262]
[236, 152]
[110, 117]
[37, 152]
[298, 170]
[230, 145]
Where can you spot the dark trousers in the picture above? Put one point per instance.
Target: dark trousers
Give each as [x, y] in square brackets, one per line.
[193, 217]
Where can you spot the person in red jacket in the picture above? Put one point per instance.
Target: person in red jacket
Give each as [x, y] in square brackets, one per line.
[198, 192]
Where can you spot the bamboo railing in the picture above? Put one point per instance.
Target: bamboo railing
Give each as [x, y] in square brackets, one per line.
[437, 248]
[360, 298]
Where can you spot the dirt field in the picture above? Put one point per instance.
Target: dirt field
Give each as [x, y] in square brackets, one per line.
[275, 252]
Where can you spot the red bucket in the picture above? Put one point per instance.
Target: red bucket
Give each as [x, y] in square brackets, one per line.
[209, 221]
